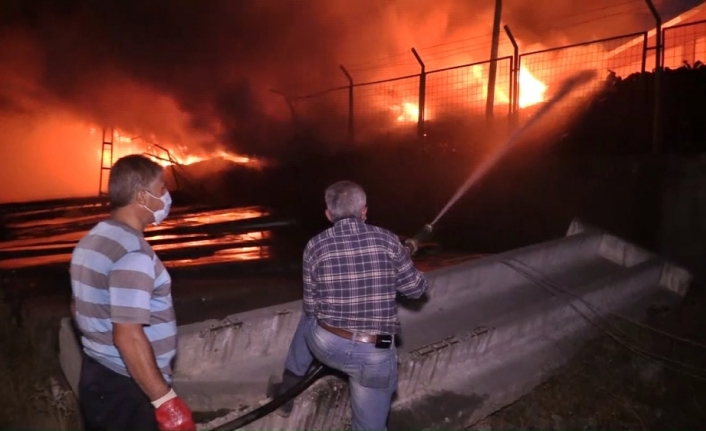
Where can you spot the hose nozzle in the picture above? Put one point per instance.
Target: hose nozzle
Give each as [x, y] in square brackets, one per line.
[423, 235]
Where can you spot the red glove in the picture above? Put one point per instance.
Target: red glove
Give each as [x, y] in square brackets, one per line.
[173, 414]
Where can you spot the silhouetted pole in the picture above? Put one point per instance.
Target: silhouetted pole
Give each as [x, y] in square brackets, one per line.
[351, 128]
[656, 105]
[515, 78]
[290, 105]
[490, 100]
[422, 94]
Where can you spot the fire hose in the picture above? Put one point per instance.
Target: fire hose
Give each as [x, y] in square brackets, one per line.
[424, 234]
[566, 87]
[316, 371]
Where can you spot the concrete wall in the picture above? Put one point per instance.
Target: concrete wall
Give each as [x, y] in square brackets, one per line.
[656, 202]
[682, 232]
[486, 335]
[489, 331]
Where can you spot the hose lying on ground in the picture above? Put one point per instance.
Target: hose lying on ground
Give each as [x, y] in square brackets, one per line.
[315, 372]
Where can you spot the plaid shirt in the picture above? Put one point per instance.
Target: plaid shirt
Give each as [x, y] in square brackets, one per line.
[352, 272]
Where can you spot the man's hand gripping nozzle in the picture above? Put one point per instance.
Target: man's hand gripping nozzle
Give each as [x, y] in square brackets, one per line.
[423, 235]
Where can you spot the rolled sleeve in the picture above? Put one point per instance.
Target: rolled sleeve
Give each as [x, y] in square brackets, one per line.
[410, 282]
[131, 284]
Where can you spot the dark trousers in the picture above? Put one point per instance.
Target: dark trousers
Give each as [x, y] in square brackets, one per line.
[110, 401]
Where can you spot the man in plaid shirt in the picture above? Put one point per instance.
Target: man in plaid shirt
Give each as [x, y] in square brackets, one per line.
[352, 273]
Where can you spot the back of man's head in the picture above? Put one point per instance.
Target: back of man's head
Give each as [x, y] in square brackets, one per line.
[345, 199]
[129, 175]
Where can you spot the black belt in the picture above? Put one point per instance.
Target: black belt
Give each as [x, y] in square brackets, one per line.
[382, 341]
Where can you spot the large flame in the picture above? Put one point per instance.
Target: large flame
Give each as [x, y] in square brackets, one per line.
[531, 93]
[124, 145]
[478, 75]
[406, 112]
[531, 89]
[225, 155]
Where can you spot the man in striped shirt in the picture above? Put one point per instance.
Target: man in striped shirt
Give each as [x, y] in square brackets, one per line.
[352, 273]
[123, 308]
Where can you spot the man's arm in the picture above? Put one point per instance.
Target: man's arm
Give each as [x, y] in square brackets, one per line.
[131, 284]
[137, 353]
[411, 282]
[72, 307]
[309, 295]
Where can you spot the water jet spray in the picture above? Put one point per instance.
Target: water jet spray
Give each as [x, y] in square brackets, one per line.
[566, 87]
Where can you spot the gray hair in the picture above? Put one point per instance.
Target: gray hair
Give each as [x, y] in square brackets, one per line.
[129, 175]
[345, 199]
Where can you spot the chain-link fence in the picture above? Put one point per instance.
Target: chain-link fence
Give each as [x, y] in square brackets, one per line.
[612, 58]
[462, 91]
[684, 44]
[324, 113]
[387, 107]
[392, 107]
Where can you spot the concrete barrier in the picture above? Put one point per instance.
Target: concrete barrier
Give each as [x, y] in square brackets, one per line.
[489, 331]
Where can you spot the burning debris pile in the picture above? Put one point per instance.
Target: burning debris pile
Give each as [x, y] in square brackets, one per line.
[165, 155]
[620, 121]
[195, 176]
[217, 180]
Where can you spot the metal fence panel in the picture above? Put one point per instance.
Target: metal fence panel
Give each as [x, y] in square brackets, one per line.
[462, 91]
[392, 106]
[389, 107]
[324, 113]
[621, 56]
[684, 43]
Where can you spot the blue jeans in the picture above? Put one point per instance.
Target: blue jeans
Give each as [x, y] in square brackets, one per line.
[372, 372]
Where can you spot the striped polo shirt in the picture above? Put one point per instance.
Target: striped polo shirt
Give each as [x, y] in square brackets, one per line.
[116, 277]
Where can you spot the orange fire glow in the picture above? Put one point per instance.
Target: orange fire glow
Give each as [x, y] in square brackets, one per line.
[532, 92]
[124, 145]
[225, 155]
[479, 76]
[531, 89]
[406, 112]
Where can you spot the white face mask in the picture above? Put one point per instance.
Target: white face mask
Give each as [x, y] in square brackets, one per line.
[162, 213]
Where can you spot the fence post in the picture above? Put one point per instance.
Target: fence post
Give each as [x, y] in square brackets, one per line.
[422, 94]
[490, 99]
[290, 104]
[656, 103]
[644, 52]
[514, 78]
[351, 129]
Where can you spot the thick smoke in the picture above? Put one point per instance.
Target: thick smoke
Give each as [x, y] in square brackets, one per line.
[199, 73]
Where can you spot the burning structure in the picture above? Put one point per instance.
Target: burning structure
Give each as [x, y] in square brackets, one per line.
[202, 89]
[460, 87]
[115, 145]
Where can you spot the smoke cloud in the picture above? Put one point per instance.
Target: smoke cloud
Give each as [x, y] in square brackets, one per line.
[199, 73]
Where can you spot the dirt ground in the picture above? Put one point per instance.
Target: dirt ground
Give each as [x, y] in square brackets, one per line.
[606, 386]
